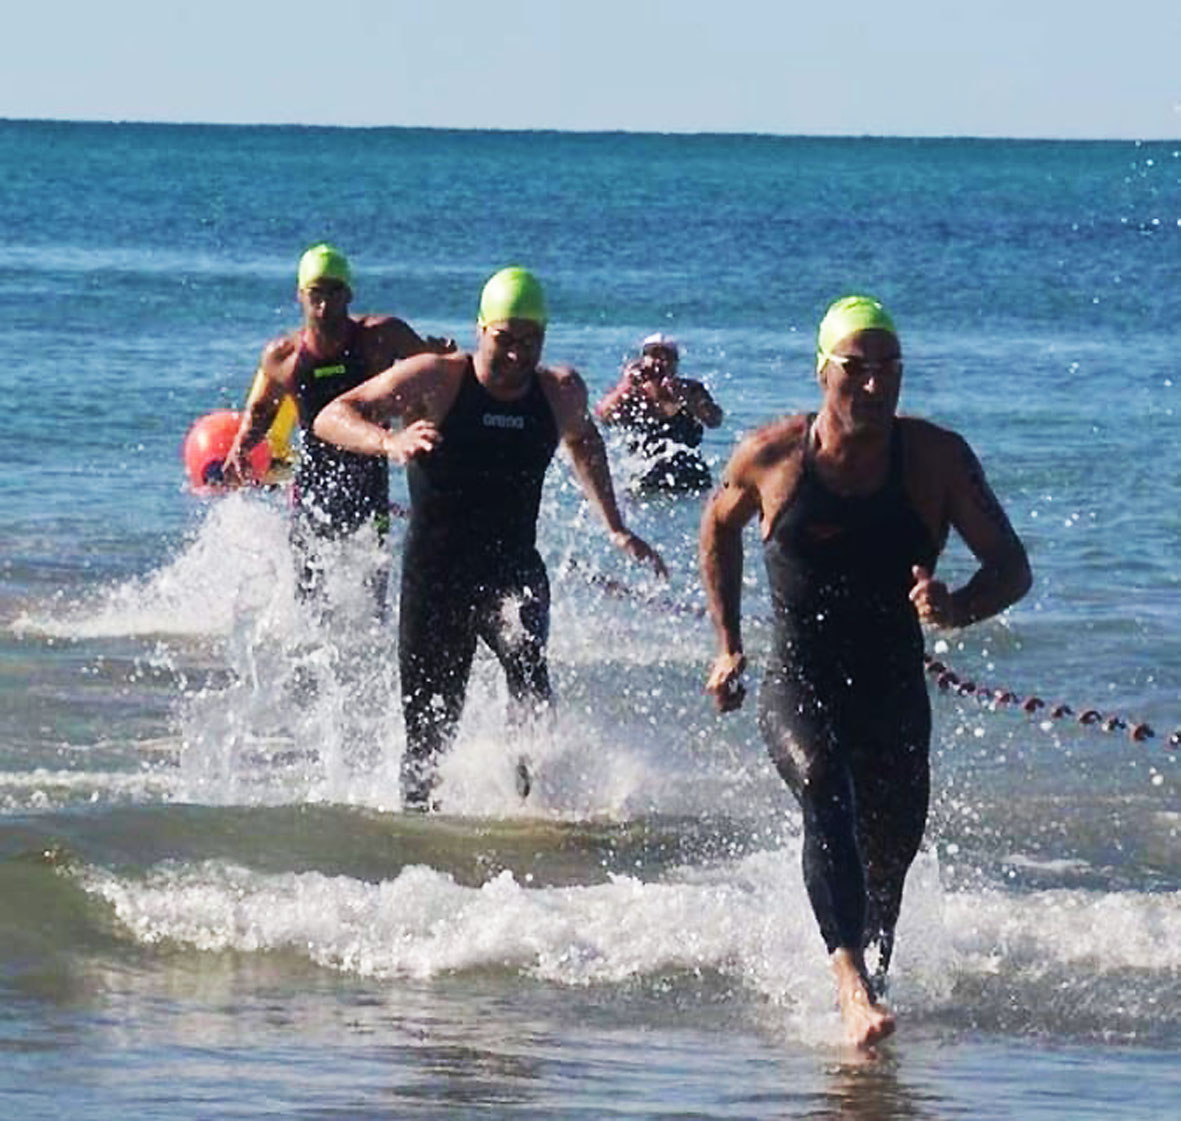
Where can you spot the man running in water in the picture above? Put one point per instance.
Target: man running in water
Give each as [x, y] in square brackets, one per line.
[479, 432]
[336, 493]
[854, 506]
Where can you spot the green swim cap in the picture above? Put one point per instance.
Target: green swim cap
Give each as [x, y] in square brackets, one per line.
[513, 293]
[846, 317]
[324, 262]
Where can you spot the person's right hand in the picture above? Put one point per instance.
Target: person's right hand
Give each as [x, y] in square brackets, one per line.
[931, 598]
[235, 468]
[634, 375]
[725, 684]
[415, 439]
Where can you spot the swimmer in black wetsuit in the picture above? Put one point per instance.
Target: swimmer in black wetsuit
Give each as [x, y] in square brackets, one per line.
[480, 431]
[336, 493]
[855, 505]
[665, 416]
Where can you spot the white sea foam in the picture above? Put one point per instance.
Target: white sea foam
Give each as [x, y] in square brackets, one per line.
[746, 920]
[43, 789]
[235, 577]
[1103, 931]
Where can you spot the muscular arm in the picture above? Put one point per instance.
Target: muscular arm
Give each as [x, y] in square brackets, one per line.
[760, 478]
[977, 516]
[726, 514]
[271, 384]
[415, 389]
[720, 555]
[394, 338]
[610, 409]
[566, 393]
[700, 403]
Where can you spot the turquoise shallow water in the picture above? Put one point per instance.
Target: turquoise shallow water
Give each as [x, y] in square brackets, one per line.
[211, 908]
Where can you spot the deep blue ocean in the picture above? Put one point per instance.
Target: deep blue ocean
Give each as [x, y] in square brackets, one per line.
[210, 906]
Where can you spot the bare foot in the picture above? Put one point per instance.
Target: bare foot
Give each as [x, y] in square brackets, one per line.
[866, 1020]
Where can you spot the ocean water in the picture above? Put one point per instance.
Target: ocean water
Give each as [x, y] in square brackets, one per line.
[210, 905]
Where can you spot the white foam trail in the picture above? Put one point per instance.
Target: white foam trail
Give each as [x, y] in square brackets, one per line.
[236, 565]
[254, 743]
[43, 790]
[310, 711]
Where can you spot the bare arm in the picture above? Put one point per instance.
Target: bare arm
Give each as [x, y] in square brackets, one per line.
[414, 390]
[394, 338]
[726, 514]
[566, 393]
[977, 516]
[610, 409]
[271, 385]
[697, 399]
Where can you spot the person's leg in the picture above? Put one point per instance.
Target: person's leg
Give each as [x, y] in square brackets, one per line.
[891, 774]
[317, 536]
[378, 579]
[514, 622]
[436, 642]
[806, 743]
[305, 555]
[803, 746]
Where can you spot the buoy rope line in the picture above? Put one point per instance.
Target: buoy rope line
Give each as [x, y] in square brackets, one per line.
[949, 681]
[945, 678]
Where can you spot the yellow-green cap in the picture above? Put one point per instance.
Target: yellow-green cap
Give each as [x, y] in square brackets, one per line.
[324, 262]
[513, 293]
[846, 317]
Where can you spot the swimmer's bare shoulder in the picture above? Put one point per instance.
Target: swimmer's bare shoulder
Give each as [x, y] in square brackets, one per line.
[773, 449]
[562, 379]
[566, 393]
[385, 339]
[373, 319]
[938, 460]
[278, 360]
[762, 473]
[928, 439]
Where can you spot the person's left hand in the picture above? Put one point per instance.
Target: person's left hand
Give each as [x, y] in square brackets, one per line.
[639, 550]
[931, 599]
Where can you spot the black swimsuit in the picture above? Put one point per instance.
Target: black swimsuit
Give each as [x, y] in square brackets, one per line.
[335, 491]
[469, 562]
[670, 443]
[843, 706]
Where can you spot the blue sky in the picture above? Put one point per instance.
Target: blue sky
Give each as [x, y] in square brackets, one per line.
[1022, 68]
